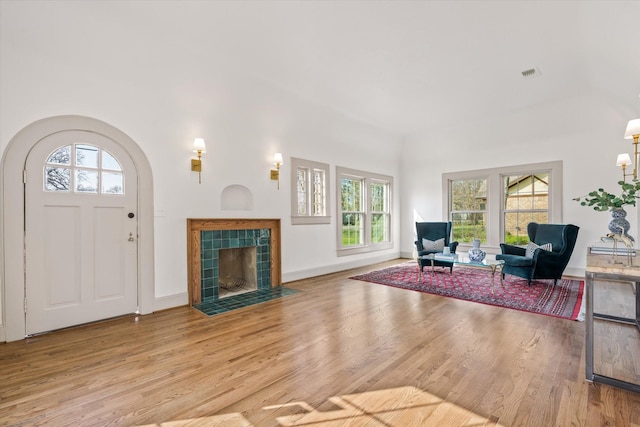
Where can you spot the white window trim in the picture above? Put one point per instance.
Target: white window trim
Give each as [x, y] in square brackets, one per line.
[297, 219]
[495, 195]
[368, 177]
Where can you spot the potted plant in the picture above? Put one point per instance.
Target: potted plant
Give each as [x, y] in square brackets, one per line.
[601, 200]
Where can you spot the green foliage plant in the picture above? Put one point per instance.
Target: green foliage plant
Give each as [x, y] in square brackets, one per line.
[601, 200]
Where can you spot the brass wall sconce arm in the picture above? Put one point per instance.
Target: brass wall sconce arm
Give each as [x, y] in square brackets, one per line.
[632, 132]
[199, 148]
[275, 173]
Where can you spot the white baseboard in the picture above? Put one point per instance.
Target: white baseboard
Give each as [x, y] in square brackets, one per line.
[574, 272]
[170, 301]
[3, 334]
[177, 300]
[334, 268]
[410, 255]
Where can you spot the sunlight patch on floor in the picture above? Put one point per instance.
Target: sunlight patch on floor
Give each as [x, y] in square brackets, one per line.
[401, 406]
[226, 420]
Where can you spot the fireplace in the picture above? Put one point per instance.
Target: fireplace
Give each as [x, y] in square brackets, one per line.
[231, 256]
[237, 272]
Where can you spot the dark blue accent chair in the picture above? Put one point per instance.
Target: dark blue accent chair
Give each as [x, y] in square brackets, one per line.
[544, 264]
[434, 231]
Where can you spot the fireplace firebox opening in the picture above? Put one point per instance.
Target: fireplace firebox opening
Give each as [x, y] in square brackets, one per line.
[237, 271]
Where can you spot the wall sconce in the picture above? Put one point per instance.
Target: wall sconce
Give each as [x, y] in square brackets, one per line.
[275, 173]
[632, 132]
[624, 160]
[196, 164]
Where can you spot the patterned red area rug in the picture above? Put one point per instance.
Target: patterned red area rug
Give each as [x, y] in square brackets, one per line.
[474, 284]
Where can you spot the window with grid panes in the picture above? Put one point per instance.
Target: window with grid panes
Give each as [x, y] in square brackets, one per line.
[495, 205]
[469, 209]
[525, 200]
[364, 210]
[310, 201]
[380, 214]
[83, 168]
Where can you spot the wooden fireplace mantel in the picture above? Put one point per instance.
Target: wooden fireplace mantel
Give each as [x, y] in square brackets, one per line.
[196, 225]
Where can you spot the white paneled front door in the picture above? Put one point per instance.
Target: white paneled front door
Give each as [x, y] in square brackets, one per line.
[80, 231]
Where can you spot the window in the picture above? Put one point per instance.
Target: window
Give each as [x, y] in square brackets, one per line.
[380, 214]
[83, 168]
[495, 205]
[469, 209]
[364, 210]
[525, 200]
[352, 211]
[310, 200]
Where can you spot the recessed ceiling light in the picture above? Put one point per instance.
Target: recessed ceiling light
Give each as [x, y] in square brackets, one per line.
[531, 73]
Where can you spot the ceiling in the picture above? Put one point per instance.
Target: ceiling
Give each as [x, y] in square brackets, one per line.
[402, 66]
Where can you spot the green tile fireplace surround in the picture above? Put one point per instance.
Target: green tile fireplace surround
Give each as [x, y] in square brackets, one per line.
[206, 237]
[212, 242]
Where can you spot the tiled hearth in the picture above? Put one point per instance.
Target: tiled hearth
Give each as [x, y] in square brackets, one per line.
[243, 300]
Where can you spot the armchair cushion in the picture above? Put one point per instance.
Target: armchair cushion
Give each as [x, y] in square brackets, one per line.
[531, 248]
[433, 245]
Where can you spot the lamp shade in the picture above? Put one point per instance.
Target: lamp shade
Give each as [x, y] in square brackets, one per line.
[623, 159]
[633, 128]
[198, 145]
[277, 158]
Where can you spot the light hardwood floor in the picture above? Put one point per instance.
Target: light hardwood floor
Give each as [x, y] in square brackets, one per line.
[339, 353]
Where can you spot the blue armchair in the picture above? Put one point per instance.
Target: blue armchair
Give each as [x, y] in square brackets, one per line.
[431, 233]
[536, 263]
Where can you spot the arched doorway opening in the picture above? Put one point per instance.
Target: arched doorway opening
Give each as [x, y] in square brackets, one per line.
[12, 198]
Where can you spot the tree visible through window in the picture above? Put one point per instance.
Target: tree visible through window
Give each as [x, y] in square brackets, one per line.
[496, 205]
[83, 168]
[352, 213]
[365, 211]
[469, 209]
[58, 178]
[379, 212]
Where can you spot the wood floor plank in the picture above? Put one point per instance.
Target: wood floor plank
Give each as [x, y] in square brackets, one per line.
[339, 352]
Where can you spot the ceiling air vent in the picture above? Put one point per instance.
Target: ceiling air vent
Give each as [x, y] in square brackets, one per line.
[531, 73]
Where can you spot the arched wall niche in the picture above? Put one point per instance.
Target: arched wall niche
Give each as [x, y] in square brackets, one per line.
[236, 198]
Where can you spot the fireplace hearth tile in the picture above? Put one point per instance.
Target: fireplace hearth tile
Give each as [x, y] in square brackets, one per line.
[211, 307]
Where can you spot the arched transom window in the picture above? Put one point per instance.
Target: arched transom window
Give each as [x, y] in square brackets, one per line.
[83, 168]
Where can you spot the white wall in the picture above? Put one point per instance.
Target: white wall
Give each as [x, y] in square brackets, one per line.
[88, 58]
[162, 96]
[585, 132]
